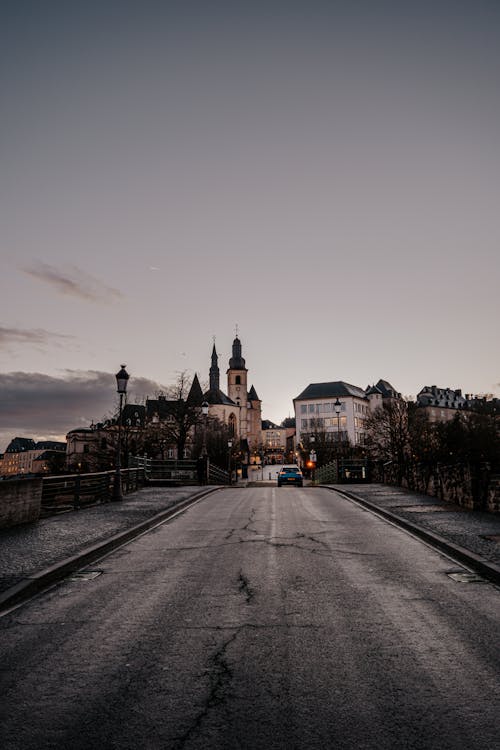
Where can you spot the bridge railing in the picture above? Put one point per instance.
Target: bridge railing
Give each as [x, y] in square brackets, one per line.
[216, 475]
[343, 471]
[177, 471]
[74, 491]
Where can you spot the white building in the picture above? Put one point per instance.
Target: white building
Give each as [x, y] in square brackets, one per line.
[315, 411]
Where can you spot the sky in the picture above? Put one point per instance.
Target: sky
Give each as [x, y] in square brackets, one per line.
[323, 175]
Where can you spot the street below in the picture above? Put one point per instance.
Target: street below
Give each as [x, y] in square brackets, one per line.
[261, 618]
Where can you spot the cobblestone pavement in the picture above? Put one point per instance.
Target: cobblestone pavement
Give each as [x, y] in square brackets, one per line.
[473, 530]
[30, 548]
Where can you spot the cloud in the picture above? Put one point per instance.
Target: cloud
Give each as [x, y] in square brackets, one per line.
[35, 336]
[73, 282]
[38, 405]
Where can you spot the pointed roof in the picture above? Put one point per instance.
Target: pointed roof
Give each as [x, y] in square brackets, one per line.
[214, 376]
[371, 389]
[387, 389]
[195, 395]
[252, 394]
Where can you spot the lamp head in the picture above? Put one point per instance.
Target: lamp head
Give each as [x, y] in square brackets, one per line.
[122, 380]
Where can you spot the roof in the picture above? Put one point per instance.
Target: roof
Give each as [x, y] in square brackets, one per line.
[195, 395]
[330, 390]
[51, 445]
[19, 444]
[160, 407]
[372, 389]
[216, 396]
[387, 389]
[133, 415]
[252, 394]
[266, 424]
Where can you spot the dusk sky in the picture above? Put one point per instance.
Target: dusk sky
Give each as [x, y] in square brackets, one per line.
[324, 175]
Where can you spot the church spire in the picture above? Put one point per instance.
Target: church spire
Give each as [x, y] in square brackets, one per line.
[237, 362]
[214, 371]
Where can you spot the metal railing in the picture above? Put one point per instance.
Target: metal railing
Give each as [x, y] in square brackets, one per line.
[327, 474]
[343, 471]
[174, 471]
[217, 475]
[75, 491]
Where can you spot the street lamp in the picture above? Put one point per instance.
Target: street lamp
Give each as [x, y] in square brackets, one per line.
[229, 446]
[204, 456]
[338, 408]
[204, 411]
[121, 388]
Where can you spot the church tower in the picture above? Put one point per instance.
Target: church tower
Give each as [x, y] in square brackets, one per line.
[237, 385]
[214, 372]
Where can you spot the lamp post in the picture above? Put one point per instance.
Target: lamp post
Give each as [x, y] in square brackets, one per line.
[204, 411]
[338, 408]
[121, 388]
[229, 446]
[312, 458]
[204, 456]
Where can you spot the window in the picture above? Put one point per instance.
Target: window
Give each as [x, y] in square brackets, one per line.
[238, 380]
[303, 408]
[303, 424]
[312, 408]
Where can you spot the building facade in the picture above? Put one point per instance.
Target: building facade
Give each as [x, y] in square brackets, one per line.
[315, 410]
[241, 408]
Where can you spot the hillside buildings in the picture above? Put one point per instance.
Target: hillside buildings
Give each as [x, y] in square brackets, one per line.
[25, 457]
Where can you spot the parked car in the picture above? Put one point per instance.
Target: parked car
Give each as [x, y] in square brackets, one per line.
[290, 475]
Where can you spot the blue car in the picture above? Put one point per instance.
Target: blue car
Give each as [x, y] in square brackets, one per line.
[290, 475]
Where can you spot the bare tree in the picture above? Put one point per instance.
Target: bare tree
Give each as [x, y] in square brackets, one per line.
[388, 436]
[182, 415]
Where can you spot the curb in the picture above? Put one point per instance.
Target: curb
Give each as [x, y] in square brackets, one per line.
[54, 573]
[486, 569]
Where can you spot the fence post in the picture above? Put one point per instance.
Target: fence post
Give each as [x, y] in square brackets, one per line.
[76, 499]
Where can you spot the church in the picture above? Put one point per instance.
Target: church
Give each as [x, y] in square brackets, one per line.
[240, 409]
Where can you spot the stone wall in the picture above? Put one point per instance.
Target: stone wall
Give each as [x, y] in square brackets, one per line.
[475, 490]
[20, 501]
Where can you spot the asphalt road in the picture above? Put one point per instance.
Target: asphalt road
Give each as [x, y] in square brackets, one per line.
[260, 618]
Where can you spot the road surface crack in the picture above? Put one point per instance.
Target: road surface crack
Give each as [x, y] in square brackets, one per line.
[220, 677]
[245, 588]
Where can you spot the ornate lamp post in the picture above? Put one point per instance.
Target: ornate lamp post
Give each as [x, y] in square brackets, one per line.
[204, 455]
[338, 408]
[121, 388]
[229, 446]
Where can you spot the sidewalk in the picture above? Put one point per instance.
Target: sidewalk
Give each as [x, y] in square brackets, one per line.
[29, 550]
[471, 536]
